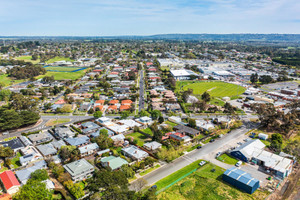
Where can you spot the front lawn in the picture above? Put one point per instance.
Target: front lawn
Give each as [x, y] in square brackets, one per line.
[16, 160]
[148, 131]
[171, 123]
[225, 158]
[149, 170]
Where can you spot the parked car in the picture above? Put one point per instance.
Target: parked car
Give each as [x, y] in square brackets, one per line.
[202, 163]
[212, 140]
[199, 147]
[218, 154]
[238, 163]
[153, 187]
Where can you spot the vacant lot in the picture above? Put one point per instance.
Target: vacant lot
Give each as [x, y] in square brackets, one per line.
[204, 184]
[9, 81]
[227, 159]
[140, 138]
[214, 88]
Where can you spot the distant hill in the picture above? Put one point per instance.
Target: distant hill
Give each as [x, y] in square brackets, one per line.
[294, 38]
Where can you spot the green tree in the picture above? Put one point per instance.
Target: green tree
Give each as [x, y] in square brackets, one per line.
[33, 190]
[155, 114]
[276, 142]
[74, 188]
[206, 97]
[128, 171]
[254, 78]
[6, 152]
[98, 114]
[103, 141]
[161, 119]
[192, 123]
[39, 175]
[5, 95]
[144, 113]
[125, 114]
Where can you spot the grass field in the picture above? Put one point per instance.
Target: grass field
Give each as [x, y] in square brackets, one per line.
[28, 59]
[148, 131]
[64, 75]
[57, 58]
[53, 122]
[64, 69]
[214, 88]
[171, 123]
[227, 159]
[204, 184]
[8, 81]
[139, 137]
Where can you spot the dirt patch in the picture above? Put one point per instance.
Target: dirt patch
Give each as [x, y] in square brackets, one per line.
[211, 89]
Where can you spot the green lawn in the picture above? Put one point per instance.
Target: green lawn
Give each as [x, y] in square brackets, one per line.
[9, 81]
[204, 184]
[149, 170]
[2, 167]
[227, 159]
[16, 160]
[148, 131]
[171, 123]
[57, 68]
[64, 75]
[57, 58]
[193, 147]
[214, 88]
[28, 59]
[53, 122]
[176, 175]
[139, 137]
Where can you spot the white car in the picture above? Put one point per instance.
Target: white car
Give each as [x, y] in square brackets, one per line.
[238, 163]
[202, 163]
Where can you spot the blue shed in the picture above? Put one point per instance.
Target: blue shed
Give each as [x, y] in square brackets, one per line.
[241, 180]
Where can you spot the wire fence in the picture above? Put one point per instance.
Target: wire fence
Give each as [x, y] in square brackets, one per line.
[179, 179]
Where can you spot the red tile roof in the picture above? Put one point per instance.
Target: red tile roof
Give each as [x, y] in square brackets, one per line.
[9, 179]
[113, 101]
[124, 107]
[113, 107]
[100, 101]
[128, 101]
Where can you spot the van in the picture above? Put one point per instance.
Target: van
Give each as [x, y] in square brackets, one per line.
[238, 163]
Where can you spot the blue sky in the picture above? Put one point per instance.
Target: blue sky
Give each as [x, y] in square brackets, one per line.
[147, 17]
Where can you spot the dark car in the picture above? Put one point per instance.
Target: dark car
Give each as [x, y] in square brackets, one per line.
[199, 147]
[212, 140]
[154, 187]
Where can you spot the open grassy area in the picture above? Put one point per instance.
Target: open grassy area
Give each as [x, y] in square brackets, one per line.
[214, 88]
[9, 81]
[57, 58]
[148, 131]
[139, 137]
[53, 122]
[171, 123]
[162, 68]
[204, 184]
[64, 75]
[28, 59]
[16, 160]
[176, 175]
[227, 159]
[149, 170]
[64, 69]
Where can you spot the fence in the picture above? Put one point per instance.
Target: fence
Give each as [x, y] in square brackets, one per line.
[179, 179]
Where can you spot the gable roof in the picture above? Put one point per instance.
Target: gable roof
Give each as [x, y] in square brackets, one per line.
[88, 148]
[47, 149]
[24, 174]
[248, 148]
[184, 129]
[13, 144]
[78, 140]
[241, 176]
[9, 179]
[114, 162]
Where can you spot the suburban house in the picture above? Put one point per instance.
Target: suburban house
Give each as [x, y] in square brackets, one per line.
[118, 139]
[130, 123]
[9, 182]
[40, 137]
[145, 120]
[24, 174]
[78, 141]
[79, 169]
[113, 162]
[89, 127]
[134, 153]
[30, 154]
[175, 119]
[186, 130]
[253, 151]
[152, 146]
[63, 132]
[14, 144]
[177, 137]
[205, 125]
[58, 144]
[103, 120]
[97, 133]
[47, 150]
[88, 149]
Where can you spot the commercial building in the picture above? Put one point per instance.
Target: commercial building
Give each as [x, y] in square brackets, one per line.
[183, 74]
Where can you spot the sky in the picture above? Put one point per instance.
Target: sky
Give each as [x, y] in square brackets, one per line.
[147, 17]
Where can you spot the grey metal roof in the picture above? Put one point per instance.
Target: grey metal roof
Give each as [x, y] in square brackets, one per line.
[13, 144]
[78, 140]
[89, 147]
[24, 174]
[47, 149]
[78, 167]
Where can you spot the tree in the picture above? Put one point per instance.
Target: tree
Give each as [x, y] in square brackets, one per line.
[192, 123]
[276, 142]
[33, 190]
[125, 114]
[5, 95]
[103, 141]
[131, 75]
[206, 97]
[74, 188]
[161, 119]
[144, 113]
[293, 148]
[265, 79]
[48, 79]
[139, 184]
[254, 78]
[1, 85]
[39, 175]
[6, 152]
[128, 171]
[67, 108]
[156, 114]
[91, 111]
[98, 114]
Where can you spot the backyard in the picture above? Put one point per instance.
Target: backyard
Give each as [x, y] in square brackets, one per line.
[139, 138]
[205, 184]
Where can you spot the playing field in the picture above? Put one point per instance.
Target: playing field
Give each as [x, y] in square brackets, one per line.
[28, 59]
[64, 75]
[214, 88]
[57, 58]
[9, 81]
[63, 69]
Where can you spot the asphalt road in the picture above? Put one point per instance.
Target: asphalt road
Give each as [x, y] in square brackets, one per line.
[141, 98]
[188, 158]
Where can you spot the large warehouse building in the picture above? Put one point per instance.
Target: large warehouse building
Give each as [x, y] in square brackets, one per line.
[241, 180]
[253, 151]
[183, 74]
